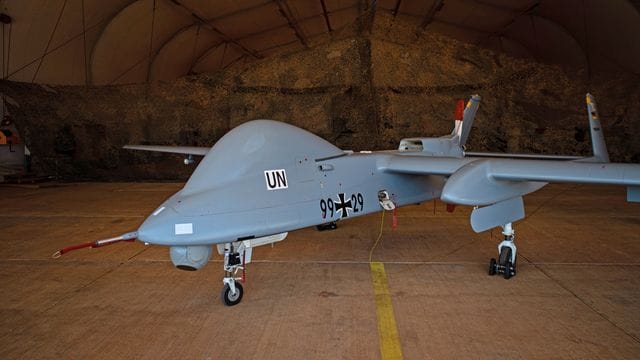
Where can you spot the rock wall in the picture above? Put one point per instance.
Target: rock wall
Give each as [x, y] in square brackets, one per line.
[364, 91]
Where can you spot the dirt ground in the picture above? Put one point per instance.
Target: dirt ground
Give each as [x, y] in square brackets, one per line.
[576, 295]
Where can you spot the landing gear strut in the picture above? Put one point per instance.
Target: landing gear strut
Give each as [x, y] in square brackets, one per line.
[233, 262]
[237, 255]
[506, 263]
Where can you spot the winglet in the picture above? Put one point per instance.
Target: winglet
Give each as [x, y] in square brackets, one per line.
[600, 153]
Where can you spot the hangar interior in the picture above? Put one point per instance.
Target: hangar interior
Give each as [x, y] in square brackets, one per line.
[83, 78]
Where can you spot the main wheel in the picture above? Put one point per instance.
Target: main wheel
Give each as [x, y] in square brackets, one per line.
[229, 298]
[507, 270]
[492, 267]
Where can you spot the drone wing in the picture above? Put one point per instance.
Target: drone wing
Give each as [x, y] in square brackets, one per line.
[497, 185]
[186, 150]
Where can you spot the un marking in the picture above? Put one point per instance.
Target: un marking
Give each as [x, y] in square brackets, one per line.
[276, 179]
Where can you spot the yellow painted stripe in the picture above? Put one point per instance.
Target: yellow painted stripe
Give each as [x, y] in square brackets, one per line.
[387, 329]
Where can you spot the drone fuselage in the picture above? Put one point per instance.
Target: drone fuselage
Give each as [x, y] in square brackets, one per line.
[293, 195]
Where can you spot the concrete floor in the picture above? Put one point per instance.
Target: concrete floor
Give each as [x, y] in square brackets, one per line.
[576, 295]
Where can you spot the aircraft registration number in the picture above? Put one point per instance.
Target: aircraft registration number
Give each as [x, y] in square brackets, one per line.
[330, 207]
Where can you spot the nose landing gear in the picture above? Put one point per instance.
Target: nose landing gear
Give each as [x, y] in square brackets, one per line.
[506, 263]
[236, 255]
[232, 291]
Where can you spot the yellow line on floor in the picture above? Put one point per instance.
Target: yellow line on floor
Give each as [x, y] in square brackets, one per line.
[387, 329]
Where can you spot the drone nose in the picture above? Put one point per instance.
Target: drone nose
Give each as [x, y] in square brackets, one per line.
[158, 227]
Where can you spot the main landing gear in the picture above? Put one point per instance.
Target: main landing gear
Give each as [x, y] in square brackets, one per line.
[506, 263]
[233, 262]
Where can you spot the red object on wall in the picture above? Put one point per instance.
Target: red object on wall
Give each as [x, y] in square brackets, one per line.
[459, 113]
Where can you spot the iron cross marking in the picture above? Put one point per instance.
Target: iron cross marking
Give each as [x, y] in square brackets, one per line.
[343, 206]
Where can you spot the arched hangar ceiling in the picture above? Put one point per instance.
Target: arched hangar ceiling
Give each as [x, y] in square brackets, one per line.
[98, 42]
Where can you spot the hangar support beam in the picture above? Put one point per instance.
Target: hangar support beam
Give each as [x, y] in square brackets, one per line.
[326, 15]
[286, 12]
[428, 18]
[207, 24]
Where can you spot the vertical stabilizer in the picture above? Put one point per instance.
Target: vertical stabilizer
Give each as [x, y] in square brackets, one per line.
[600, 153]
[467, 118]
[449, 145]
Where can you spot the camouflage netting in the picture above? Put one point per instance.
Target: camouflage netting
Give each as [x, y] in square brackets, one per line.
[364, 90]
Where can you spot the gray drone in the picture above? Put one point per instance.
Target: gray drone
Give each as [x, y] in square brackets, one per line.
[266, 178]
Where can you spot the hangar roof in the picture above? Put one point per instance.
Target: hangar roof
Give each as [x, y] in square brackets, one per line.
[97, 42]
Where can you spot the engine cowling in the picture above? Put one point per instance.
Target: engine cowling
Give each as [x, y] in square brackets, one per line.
[191, 257]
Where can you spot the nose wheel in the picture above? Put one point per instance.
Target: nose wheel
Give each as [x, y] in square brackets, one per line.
[232, 290]
[505, 265]
[232, 293]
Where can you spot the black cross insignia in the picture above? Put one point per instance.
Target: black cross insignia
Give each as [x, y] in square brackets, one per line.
[343, 206]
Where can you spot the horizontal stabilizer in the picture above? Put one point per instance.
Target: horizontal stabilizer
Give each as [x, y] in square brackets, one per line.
[185, 150]
[498, 214]
[633, 193]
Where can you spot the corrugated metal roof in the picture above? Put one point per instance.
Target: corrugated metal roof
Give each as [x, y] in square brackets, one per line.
[97, 42]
